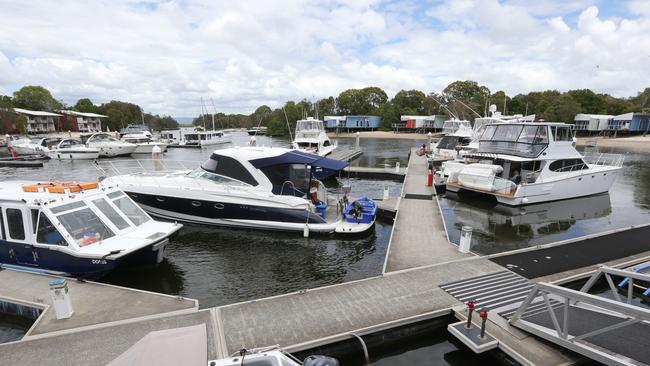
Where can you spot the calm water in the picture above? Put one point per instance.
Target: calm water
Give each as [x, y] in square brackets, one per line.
[220, 266]
[498, 228]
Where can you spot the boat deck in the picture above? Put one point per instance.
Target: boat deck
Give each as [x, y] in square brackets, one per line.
[505, 195]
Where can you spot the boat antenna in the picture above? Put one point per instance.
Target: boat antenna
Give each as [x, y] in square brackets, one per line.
[288, 126]
[202, 114]
[468, 107]
[215, 112]
[444, 106]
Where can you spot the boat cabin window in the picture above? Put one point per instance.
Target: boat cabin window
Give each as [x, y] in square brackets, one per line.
[47, 233]
[133, 212]
[450, 142]
[514, 139]
[567, 165]
[288, 179]
[202, 174]
[228, 167]
[15, 223]
[84, 226]
[67, 207]
[110, 213]
[561, 133]
[326, 143]
[34, 219]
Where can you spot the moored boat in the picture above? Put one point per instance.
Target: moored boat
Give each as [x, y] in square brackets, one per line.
[108, 145]
[248, 187]
[523, 163]
[79, 229]
[144, 143]
[311, 137]
[71, 149]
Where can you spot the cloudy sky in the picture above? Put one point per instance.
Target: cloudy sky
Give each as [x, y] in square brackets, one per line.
[166, 55]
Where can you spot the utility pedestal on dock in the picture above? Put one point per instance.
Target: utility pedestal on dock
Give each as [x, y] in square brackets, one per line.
[471, 337]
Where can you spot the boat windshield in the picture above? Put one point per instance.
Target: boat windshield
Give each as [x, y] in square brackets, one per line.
[103, 137]
[450, 142]
[84, 226]
[514, 139]
[309, 125]
[199, 173]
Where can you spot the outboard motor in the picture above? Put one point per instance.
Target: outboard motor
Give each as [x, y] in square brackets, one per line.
[320, 361]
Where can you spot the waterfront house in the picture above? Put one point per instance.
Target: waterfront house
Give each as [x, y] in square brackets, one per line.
[39, 121]
[632, 122]
[590, 123]
[353, 122]
[84, 122]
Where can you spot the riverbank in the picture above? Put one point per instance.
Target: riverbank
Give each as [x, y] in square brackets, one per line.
[634, 143]
[378, 135]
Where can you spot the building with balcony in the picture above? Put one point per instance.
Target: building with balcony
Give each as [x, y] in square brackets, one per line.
[39, 121]
[85, 122]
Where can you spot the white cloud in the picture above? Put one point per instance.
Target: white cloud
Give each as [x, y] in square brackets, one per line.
[247, 53]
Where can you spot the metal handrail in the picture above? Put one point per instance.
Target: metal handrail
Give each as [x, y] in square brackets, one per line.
[559, 333]
[608, 159]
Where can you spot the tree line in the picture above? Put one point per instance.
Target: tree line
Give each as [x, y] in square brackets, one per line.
[461, 99]
[37, 98]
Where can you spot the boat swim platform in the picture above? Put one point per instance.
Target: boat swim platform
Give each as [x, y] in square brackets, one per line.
[345, 154]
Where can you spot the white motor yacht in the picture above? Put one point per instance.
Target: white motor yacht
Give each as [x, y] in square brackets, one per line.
[108, 145]
[79, 229]
[523, 163]
[72, 149]
[144, 143]
[25, 145]
[311, 137]
[457, 135]
[201, 138]
[251, 187]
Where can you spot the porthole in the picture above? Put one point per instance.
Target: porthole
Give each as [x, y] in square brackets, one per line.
[160, 199]
[219, 206]
[196, 203]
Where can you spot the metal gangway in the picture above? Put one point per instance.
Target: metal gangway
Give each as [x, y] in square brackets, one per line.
[611, 331]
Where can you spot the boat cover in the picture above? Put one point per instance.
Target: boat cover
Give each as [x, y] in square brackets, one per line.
[324, 165]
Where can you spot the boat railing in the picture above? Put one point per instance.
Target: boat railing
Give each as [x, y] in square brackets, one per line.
[608, 159]
[152, 169]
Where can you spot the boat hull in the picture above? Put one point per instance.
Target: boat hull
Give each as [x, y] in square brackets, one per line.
[148, 148]
[115, 151]
[578, 185]
[73, 154]
[43, 258]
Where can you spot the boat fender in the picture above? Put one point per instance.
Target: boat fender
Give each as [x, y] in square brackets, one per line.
[317, 360]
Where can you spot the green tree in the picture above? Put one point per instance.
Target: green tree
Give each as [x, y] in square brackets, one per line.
[326, 107]
[410, 101]
[361, 101]
[35, 98]
[465, 98]
[589, 101]
[5, 102]
[563, 109]
[389, 114]
[498, 99]
[85, 105]
[120, 114]
[21, 123]
[432, 104]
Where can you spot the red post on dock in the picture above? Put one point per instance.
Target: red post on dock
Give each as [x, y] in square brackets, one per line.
[430, 178]
[484, 315]
[470, 307]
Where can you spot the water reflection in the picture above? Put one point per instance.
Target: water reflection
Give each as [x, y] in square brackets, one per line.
[516, 226]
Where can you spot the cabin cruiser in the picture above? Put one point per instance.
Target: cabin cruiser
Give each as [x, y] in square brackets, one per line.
[523, 163]
[311, 137]
[108, 145]
[25, 145]
[145, 144]
[72, 149]
[205, 138]
[457, 135]
[79, 229]
[257, 131]
[133, 129]
[251, 187]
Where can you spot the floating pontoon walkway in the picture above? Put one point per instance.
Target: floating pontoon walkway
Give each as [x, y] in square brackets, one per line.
[345, 154]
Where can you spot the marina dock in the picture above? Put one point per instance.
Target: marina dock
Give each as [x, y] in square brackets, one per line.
[424, 277]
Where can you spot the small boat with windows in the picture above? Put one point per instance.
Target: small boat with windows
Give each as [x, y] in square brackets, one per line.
[108, 145]
[25, 145]
[457, 135]
[80, 229]
[257, 131]
[311, 137]
[144, 143]
[200, 138]
[249, 187]
[72, 149]
[525, 163]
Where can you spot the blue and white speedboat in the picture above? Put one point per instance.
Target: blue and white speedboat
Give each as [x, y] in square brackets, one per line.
[247, 187]
[77, 229]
